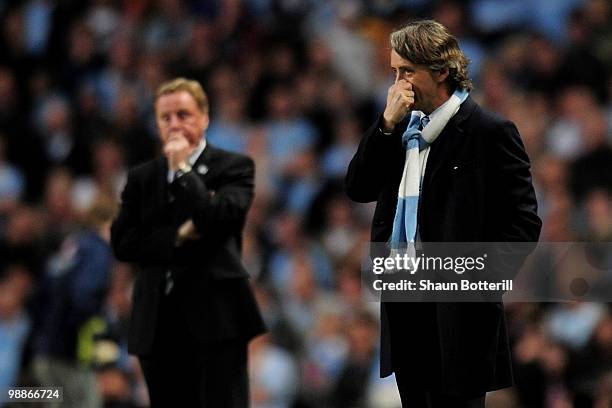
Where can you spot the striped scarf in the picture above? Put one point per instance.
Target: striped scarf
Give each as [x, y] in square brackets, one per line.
[414, 140]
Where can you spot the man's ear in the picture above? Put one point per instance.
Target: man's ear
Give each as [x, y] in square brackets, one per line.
[442, 75]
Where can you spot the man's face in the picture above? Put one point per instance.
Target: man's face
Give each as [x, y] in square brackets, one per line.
[425, 83]
[177, 114]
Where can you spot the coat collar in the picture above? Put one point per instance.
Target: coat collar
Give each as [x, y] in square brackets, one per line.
[466, 109]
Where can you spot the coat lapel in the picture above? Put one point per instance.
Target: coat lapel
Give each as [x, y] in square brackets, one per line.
[446, 144]
[202, 164]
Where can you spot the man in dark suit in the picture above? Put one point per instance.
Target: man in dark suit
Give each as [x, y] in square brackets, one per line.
[475, 186]
[181, 221]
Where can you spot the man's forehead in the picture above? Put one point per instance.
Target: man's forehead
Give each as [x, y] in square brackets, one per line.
[171, 99]
[397, 60]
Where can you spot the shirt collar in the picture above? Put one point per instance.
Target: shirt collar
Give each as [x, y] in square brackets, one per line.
[197, 152]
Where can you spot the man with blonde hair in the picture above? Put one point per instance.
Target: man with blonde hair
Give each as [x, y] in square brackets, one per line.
[181, 221]
[442, 170]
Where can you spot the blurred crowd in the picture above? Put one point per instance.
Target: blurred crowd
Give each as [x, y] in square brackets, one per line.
[293, 84]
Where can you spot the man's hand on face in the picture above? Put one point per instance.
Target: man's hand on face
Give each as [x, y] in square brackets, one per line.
[177, 150]
[400, 100]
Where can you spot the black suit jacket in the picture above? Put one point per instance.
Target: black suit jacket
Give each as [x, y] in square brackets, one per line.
[216, 297]
[476, 188]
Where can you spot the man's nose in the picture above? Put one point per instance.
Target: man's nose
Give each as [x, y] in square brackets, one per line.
[400, 77]
[174, 121]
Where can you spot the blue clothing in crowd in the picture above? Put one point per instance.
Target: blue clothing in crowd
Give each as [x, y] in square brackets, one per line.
[77, 281]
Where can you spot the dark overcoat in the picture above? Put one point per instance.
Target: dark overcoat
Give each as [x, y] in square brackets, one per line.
[477, 187]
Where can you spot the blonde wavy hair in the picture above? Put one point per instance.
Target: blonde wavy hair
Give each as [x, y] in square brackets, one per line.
[188, 85]
[429, 43]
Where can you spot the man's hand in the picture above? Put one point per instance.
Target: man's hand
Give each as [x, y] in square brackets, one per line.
[186, 232]
[177, 150]
[400, 100]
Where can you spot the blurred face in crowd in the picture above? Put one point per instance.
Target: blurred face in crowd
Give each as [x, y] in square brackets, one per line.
[429, 88]
[178, 115]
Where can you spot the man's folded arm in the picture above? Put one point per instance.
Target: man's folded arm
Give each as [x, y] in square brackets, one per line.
[134, 242]
[223, 211]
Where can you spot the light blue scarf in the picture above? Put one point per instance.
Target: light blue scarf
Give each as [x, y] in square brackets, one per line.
[414, 140]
